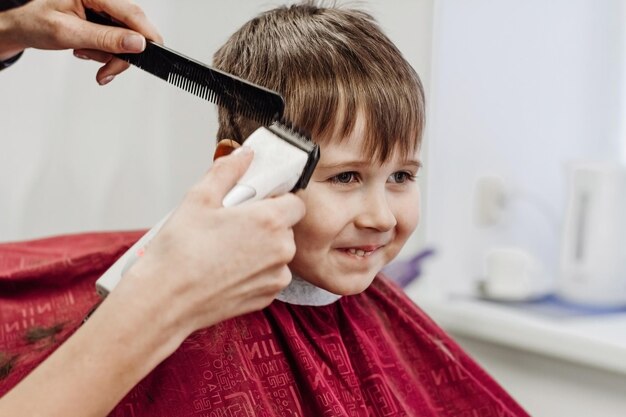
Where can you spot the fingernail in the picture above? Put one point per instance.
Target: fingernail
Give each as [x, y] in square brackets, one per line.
[106, 80]
[81, 56]
[242, 150]
[134, 43]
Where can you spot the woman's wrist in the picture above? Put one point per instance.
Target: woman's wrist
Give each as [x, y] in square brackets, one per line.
[10, 49]
[146, 315]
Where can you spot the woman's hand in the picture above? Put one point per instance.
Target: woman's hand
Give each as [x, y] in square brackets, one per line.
[61, 24]
[209, 263]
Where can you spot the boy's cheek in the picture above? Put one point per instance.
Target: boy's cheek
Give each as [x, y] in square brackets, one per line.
[415, 213]
[410, 212]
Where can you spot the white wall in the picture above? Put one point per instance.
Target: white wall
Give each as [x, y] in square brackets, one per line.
[517, 89]
[75, 156]
[547, 387]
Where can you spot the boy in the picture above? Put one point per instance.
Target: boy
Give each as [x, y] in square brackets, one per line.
[345, 82]
[339, 341]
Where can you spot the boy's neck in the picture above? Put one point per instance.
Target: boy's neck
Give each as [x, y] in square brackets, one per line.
[301, 292]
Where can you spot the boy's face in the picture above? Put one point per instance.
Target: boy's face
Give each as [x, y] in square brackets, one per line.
[359, 214]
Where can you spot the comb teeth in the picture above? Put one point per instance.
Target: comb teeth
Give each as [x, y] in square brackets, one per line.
[233, 93]
[237, 95]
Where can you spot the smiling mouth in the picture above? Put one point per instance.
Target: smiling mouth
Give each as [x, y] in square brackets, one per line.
[361, 253]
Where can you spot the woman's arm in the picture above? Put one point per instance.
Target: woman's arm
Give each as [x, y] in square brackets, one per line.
[207, 264]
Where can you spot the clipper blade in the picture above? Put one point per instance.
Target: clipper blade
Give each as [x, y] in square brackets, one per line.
[300, 139]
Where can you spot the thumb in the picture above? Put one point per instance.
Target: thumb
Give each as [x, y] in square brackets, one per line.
[225, 172]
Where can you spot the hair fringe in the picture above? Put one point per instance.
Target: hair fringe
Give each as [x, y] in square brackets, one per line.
[331, 64]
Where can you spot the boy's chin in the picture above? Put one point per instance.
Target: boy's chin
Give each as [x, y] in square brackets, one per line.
[343, 286]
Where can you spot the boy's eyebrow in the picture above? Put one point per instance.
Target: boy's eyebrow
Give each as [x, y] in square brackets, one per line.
[364, 163]
[415, 162]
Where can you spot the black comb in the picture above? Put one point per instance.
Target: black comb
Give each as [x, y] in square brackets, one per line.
[235, 94]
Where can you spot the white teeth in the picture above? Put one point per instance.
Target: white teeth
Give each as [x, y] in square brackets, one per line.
[359, 252]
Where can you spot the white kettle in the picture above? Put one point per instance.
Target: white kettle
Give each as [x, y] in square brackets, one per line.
[593, 250]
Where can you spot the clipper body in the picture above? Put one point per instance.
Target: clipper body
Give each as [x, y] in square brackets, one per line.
[283, 161]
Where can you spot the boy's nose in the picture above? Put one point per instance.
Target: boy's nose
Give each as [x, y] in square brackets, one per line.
[376, 213]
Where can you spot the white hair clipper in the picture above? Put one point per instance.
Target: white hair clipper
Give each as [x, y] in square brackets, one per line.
[284, 161]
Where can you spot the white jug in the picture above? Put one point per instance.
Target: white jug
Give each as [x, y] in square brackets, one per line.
[593, 250]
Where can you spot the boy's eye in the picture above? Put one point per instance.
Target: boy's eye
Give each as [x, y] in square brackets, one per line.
[401, 177]
[344, 178]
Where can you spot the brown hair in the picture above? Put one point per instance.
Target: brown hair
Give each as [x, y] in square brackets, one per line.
[329, 64]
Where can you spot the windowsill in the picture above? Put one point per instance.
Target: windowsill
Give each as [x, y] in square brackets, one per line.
[597, 340]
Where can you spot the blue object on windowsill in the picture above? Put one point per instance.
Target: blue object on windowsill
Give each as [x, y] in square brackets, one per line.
[405, 272]
[555, 307]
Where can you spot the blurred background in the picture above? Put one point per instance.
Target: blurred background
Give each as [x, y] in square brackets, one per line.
[521, 252]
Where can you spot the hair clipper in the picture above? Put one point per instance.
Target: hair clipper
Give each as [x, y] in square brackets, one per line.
[284, 161]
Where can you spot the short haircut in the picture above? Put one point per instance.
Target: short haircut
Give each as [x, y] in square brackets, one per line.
[330, 64]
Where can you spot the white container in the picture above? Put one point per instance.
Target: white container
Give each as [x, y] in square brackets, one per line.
[513, 274]
[593, 251]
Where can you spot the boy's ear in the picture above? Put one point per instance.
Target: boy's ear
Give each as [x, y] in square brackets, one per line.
[224, 147]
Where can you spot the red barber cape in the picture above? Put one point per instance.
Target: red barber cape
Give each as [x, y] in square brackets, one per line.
[371, 354]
